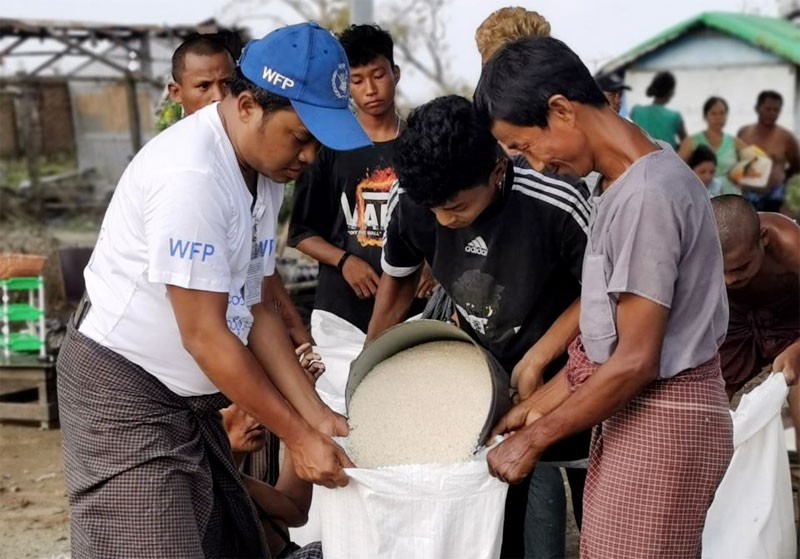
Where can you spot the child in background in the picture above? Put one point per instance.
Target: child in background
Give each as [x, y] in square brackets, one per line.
[704, 164]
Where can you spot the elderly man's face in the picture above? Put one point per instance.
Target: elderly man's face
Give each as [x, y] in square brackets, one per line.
[244, 431]
[558, 149]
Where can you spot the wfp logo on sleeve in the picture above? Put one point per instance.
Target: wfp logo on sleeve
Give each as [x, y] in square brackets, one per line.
[179, 248]
[477, 246]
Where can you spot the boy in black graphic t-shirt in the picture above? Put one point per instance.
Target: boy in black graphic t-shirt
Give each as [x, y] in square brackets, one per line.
[340, 206]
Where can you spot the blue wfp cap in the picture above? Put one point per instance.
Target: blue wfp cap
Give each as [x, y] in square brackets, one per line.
[307, 65]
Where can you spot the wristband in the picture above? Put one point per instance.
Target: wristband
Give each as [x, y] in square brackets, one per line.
[342, 260]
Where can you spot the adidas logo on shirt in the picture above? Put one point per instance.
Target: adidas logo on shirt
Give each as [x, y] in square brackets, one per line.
[477, 246]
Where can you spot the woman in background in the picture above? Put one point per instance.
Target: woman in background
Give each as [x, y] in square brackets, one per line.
[656, 119]
[725, 147]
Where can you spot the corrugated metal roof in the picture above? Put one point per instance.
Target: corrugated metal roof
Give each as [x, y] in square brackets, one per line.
[775, 35]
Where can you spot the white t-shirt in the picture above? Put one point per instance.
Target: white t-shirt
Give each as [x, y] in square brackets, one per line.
[181, 215]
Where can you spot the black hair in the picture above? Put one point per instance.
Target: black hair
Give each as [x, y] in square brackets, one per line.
[737, 221]
[446, 148]
[202, 45]
[662, 85]
[768, 94]
[701, 154]
[711, 101]
[364, 43]
[521, 77]
[269, 102]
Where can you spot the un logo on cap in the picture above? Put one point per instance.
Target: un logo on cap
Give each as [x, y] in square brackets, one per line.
[339, 81]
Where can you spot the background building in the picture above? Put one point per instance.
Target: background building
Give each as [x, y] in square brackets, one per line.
[731, 55]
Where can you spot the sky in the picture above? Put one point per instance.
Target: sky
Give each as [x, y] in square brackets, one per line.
[597, 30]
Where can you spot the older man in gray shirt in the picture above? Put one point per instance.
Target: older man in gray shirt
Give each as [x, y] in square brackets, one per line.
[645, 369]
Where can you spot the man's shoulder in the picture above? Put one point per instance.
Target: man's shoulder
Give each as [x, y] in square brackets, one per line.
[191, 144]
[410, 215]
[783, 230]
[746, 130]
[662, 172]
[787, 134]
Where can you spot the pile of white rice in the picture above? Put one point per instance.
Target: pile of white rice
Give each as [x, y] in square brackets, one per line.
[423, 405]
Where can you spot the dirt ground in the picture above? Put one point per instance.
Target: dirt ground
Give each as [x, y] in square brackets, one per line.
[34, 514]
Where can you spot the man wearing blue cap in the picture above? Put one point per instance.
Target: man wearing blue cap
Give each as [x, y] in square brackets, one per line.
[174, 292]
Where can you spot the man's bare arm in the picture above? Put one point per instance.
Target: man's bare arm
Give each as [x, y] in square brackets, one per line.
[392, 302]
[784, 235]
[297, 490]
[320, 250]
[274, 292]
[358, 273]
[527, 374]
[276, 504]
[792, 155]
[237, 374]
[271, 345]
[634, 364]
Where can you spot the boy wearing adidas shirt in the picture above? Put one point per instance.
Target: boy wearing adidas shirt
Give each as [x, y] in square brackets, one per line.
[174, 288]
[505, 242]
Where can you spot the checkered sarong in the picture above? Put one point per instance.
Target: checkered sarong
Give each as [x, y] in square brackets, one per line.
[310, 551]
[654, 466]
[149, 474]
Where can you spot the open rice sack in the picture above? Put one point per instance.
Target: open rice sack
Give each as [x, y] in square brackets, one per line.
[421, 511]
[421, 398]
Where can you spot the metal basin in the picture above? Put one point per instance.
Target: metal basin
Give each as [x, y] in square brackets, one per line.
[410, 334]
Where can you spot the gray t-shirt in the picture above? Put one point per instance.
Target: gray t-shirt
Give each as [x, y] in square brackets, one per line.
[652, 233]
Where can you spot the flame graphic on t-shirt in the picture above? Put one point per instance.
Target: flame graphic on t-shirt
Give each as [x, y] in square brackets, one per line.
[373, 193]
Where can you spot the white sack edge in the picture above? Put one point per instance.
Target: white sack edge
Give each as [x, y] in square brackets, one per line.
[752, 515]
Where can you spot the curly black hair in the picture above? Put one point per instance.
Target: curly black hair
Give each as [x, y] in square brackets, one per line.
[365, 43]
[446, 148]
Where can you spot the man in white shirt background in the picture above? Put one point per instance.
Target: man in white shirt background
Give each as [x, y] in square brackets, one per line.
[175, 287]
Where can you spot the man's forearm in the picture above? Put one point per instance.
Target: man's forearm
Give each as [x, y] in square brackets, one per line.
[320, 250]
[275, 291]
[272, 347]
[614, 384]
[294, 488]
[555, 341]
[392, 303]
[550, 396]
[234, 370]
[277, 505]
